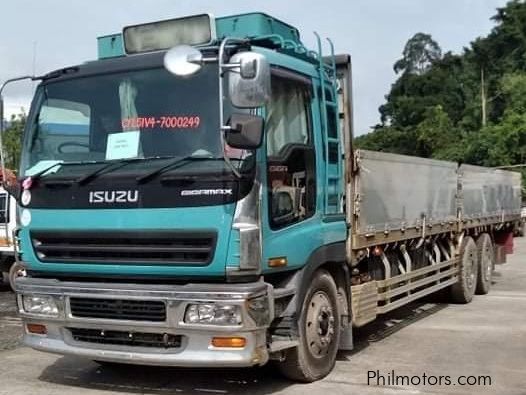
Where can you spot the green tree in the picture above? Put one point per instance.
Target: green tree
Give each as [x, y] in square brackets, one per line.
[12, 140]
[420, 52]
[388, 139]
[436, 133]
[412, 94]
[434, 108]
[513, 91]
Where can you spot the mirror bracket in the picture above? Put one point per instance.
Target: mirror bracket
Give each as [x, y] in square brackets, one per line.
[245, 131]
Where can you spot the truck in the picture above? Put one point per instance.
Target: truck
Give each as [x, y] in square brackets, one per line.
[8, 267]
[193, 198]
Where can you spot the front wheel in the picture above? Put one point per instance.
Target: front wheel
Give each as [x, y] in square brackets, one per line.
[319, 330]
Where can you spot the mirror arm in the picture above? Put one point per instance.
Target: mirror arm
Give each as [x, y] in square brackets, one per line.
[210, 60]
[4, 84]
[232, 66]
[223, 66]
[203, 60]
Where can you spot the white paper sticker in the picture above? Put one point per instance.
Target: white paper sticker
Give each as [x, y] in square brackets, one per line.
[43, 165]
[123, 145]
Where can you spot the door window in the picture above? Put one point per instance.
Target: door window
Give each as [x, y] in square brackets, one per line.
[290, 153]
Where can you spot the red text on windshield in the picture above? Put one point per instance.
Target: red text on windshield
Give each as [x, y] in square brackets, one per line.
[163, 122]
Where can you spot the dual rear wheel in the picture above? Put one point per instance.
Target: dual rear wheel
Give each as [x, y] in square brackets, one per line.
[476, 268]
[319, 322]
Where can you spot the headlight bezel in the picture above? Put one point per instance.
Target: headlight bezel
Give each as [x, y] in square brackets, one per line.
[259, 310]
[49, 307]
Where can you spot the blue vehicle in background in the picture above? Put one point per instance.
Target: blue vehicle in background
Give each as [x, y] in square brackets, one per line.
[192, 198]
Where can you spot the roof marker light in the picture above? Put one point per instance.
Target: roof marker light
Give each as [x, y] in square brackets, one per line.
[163, 35]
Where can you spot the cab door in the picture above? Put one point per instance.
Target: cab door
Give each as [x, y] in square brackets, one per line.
[291, 227]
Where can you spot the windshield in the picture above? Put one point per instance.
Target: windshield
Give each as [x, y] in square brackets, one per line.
[134, 114]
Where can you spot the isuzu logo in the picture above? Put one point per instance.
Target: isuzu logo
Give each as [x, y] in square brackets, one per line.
[113, 196]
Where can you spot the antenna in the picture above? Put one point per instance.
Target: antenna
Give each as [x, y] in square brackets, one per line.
[33, 72]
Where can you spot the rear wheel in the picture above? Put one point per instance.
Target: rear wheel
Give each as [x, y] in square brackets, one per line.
[486, 258]
[463, 290]
[319, 330]
[17, 270]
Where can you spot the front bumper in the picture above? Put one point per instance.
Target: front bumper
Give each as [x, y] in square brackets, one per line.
[195, 348]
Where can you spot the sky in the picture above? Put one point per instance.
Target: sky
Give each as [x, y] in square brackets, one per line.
[40, 36]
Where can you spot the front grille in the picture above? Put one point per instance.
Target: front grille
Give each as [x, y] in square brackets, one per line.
[117, 309]
[125, 247]
[122, 338]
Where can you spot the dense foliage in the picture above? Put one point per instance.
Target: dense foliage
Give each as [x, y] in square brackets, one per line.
[12, 140]
[468, 107]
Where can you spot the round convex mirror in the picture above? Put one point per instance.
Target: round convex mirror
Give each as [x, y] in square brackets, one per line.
[183, 60]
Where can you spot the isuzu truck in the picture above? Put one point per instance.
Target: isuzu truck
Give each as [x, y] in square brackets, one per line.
[193, 198]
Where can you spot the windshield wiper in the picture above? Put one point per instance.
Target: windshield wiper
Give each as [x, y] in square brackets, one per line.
[37, 176]
[114, 165]
[90, 176]
[176, 161]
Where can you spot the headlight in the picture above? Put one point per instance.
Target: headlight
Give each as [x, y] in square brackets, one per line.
[213, 314]
[40, 304]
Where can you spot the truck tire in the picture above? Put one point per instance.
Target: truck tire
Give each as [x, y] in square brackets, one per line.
[319, 332]
[486, 258]
[16, 270]
[463, 290]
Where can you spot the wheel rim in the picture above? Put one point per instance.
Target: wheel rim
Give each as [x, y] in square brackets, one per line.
[319, 325]
[19, 272]
[486, 264]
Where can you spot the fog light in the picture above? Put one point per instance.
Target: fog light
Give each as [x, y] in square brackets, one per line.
[40, 305]
[213, 314]
[37, 329]
[229, 342]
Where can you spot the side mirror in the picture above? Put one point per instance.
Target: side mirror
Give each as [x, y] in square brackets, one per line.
[249, 83]
[246, 131]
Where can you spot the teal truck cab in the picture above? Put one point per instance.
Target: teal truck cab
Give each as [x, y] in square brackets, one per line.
[155, 224]
[192, 199]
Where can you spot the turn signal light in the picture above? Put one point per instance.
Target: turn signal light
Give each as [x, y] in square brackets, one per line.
[277, 262]
[229, 342]
[37, 329]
